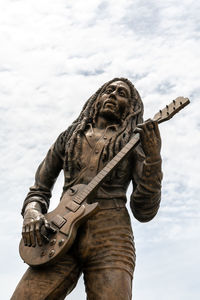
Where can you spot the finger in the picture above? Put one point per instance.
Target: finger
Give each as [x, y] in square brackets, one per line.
[27, 230]
[53, 230]
[38, 233]
[141, 132]
[139, 129]
[49, 227]
[46, 227]
[24, 235]
[45, 238]
[150, 125]
[46, 223]
[32, 234]
[144, 127]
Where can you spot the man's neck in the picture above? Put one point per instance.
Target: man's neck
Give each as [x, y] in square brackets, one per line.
[102, 123]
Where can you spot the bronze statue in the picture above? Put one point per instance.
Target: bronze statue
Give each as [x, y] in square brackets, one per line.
[104, 247]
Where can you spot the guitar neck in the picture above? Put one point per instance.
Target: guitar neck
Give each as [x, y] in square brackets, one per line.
[163, 115]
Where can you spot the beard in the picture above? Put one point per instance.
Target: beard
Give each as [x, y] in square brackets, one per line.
[110, 114]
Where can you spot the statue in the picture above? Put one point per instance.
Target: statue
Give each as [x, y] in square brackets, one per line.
[104, 246]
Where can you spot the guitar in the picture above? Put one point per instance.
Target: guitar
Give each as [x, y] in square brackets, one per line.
[75, 207]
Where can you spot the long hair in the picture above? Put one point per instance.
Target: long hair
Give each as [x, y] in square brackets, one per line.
[73, 135]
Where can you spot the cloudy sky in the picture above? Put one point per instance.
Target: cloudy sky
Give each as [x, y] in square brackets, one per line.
[53, 56]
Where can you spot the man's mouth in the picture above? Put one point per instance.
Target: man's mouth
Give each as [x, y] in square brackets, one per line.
[110, 103]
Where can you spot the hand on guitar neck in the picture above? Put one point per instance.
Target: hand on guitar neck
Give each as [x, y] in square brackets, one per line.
[32, 224]
[150, 140]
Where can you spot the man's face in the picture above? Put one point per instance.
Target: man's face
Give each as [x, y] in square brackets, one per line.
[114, 101]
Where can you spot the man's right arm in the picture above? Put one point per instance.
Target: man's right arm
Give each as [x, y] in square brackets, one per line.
[37, 201]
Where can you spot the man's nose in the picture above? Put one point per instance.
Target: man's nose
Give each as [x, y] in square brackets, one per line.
[113, 94]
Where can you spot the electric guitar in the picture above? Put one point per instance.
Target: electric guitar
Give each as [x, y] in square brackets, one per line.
[75, 208]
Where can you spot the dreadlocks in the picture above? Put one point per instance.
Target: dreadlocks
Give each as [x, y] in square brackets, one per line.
[88, 115]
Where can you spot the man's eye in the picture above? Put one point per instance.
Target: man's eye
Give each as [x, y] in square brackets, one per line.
[122, 94]
[108, 91]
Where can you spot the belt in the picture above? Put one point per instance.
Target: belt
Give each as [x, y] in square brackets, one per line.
[111, 203]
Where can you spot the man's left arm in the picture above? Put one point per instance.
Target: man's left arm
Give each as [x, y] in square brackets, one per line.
[147, 174]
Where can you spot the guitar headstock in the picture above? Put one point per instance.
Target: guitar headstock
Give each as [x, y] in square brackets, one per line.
[170, 110]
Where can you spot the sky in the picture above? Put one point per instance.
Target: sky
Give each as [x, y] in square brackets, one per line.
[54, 55]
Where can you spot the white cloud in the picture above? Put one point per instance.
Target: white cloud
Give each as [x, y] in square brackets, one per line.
[53, 56]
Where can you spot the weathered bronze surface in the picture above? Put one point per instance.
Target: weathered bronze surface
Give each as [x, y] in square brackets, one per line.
[77, 205]
[104, 247]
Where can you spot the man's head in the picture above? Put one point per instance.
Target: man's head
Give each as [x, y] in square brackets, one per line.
[114, 102]
[127, 105]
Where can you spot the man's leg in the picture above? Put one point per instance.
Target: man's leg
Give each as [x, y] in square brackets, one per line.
[49, 283]
[108, 284]
[108, 253]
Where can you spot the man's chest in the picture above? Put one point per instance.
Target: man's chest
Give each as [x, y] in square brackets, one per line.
[93, 145]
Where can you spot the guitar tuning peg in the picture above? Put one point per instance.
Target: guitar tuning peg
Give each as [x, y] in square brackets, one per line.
[174, 101]
[174, 108]
[160, 111]
[167, 113]
[167, 106]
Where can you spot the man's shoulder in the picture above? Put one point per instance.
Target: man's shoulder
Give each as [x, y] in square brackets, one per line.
[60, 142]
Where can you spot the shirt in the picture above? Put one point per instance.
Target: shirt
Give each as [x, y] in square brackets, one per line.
[146, 177]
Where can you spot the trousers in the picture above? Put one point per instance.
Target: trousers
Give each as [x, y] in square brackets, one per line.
[103, 251]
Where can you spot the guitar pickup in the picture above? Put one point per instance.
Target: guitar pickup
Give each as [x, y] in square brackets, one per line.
[58, 221]
[73, 206]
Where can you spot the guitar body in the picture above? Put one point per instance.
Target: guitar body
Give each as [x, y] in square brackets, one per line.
[65, 219]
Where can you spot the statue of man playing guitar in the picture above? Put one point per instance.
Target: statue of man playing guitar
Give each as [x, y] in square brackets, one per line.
[104, 246]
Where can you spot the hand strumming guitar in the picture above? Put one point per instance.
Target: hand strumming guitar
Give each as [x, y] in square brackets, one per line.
[33, 222]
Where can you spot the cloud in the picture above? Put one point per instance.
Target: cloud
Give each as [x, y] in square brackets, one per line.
[54, 56]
